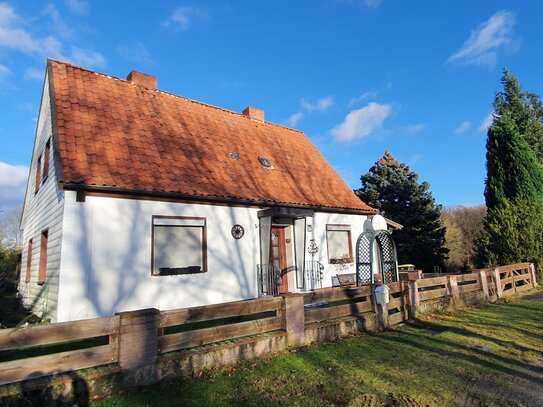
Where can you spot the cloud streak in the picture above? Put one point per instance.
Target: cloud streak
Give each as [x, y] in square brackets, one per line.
[462, 127]
[487, 122]
[185, 17]
[15, 36]
[307, 106]
[361, 122]
[482, 46]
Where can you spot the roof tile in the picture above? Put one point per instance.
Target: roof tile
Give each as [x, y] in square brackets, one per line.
[114, 133]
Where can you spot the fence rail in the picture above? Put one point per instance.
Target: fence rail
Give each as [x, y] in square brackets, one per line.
[133, 339]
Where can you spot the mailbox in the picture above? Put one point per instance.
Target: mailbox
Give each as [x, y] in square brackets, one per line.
[382, 295]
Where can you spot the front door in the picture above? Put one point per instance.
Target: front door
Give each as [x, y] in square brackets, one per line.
[278, 255]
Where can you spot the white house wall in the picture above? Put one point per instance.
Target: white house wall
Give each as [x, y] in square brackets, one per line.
[42, 210]
[106, 257]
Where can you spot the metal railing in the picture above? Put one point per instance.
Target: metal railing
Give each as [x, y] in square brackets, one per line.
[269, 280]
[313, 274]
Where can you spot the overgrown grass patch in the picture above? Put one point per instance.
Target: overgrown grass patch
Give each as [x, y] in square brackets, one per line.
[442, 360]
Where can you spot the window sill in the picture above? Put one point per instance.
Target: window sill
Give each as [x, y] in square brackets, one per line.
[176, 271]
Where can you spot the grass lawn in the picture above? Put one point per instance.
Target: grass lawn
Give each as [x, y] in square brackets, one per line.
[492, 355]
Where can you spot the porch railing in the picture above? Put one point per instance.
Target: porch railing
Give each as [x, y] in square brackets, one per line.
[269, 279]
[313, 274]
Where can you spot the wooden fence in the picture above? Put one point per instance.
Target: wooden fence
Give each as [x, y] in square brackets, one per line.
[133, 339]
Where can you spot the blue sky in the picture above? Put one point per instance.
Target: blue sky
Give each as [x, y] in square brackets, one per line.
[358, 77]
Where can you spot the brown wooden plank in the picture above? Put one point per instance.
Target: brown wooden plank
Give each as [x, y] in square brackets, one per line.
[36, 335]
[337, 294]
[217, 311]
[427, 295]
[429, 282]
[396, 303]
[512, 267]
[466, 288]
[17, 370]
[395, 287]
[523, 277]
[183, 340]
[396, 318]
[463, 278]
[505, 281]
[323, 314]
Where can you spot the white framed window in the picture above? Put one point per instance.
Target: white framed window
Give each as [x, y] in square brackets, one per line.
[338, 242]
[179, 245]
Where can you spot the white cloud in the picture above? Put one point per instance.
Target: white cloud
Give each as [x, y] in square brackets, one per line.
[487, 122]
[185, 17]
[415, 128]
[307, 106]
[12, 184]
[78, 6]
[294, 119]
[462, 127]
[34, 74]
[484, 42]
[322, 105]
[136, 52]
[366, 95]
[87, 58]
[4, 70]
[372, 3]
[361, 122]
[415, 158]
[15, 35]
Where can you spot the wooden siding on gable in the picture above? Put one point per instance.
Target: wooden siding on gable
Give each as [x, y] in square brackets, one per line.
[42, 210]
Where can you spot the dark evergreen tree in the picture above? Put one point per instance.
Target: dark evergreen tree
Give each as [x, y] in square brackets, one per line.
[513, 226]
[393, 189]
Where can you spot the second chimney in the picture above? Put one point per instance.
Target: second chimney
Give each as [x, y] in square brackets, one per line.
[142, 79]
[254, 113]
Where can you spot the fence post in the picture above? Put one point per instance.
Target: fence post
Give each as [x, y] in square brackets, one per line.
[293, 318]
[453, 288]
[138, 338]
[497, 281]
[414, 299]
[532, 271]
[484, 283]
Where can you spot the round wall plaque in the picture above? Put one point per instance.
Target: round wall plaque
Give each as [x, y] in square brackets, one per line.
[238, 231]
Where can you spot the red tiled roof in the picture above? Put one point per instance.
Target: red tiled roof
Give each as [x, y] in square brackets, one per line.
[113, 133]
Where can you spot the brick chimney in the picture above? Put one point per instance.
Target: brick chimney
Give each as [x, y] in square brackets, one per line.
[254, 113]
[142, 79]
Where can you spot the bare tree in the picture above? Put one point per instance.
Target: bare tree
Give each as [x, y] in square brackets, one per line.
[464, 225]
[10, 233]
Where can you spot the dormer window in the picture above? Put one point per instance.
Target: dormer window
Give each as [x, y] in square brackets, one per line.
[265, 162]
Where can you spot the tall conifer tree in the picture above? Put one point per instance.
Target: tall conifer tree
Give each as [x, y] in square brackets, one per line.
[513, 226]
[394, 189]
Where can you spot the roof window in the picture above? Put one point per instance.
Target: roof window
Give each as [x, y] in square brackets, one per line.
[235, 156]
[265, 162]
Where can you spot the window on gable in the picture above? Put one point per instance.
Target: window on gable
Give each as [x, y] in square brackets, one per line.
[38, 174]
[179, 246]
[28, 261]
[338, 241]
[46, 154]
[42, 272]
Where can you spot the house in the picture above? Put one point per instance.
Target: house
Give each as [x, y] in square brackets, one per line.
[139, 198]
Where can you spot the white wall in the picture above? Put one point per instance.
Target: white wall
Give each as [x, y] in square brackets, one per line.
[42, 210]
[106, 256]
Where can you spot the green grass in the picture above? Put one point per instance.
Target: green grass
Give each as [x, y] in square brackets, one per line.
[438, 361]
